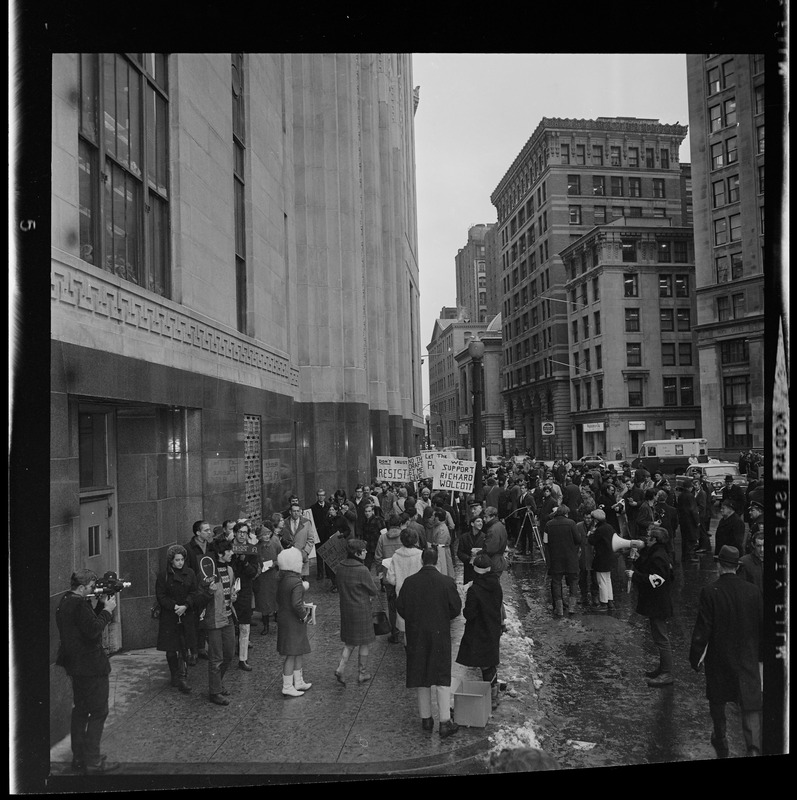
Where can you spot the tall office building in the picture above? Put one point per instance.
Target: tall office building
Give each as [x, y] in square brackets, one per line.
[234, 298]
[726, 120]
[571, 176]
[471, 276]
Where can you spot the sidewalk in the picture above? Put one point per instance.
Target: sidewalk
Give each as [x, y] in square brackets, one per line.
[365, 730]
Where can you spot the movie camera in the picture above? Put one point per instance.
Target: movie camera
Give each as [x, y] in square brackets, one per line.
[109, 584]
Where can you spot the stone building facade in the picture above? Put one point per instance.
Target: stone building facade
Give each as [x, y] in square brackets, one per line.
[234, 299]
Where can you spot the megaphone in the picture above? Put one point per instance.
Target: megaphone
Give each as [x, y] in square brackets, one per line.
[618, 543]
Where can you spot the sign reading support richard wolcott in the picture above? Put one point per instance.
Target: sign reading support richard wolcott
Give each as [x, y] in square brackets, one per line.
[456, 475]
[392, 468]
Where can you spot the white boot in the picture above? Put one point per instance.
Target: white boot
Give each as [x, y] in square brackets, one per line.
[288, 689]
[298, 681]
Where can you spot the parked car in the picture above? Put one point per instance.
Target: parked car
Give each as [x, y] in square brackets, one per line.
[714, 473]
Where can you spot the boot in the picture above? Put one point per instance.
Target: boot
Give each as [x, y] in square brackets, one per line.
[571, 605]
[288, 689]
[448, 728]
[611, 605]
[298, 681]
[363, 676]
[559, 610]
[341, 667]
[264, 632]
[665, 679]
[427, 723]
[182, 677]
[494, 698]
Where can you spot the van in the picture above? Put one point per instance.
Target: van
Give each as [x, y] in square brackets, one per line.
[672, 456]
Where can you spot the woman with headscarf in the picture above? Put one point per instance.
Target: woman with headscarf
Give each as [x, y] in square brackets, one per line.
[483, 614]
[180, 598]
[406, 561]
[356, 587]
[265, 585]
[292, 617]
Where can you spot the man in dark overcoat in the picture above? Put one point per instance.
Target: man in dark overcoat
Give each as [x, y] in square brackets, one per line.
[427, 602]
[320, 512]
[562, 538]
[727, 640]
[730, 528]
[495, 539]
[688, 521]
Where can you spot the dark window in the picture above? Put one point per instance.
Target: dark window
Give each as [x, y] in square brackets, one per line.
[581, 157]
[682, 286]
[668, 354]
[665, 158]
[600, 215]
[681, 252]
[574, 184]
[123, 166]
[665, 285]
[599, 185]
[597, 316]
[615, 156]
[633, 353]
[685, 354]
[575, 215]
[717, 158]
[597, 154]
[616, 184]
[631, 284]
[734, 351]
[635, 187]
[632, 320]
[664, 251]
[635, 392]
[658, 187]
[629, 251]
[666, 321]
[683, 318]
[564, 150]
[730, 150]
[633, 156]
[733, 189]
[670, 390]
[650, 157]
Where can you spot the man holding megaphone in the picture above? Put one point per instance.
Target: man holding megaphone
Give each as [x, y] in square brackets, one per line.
[606, 543]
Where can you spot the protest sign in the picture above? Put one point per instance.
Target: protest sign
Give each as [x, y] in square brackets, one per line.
[392, 468]
[332, 551]
[456, 475]
[244, 549]
[414, 468]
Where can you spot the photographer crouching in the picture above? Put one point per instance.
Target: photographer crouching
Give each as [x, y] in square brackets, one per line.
[80, 625]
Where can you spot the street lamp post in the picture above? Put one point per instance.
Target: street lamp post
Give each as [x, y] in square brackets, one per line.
[476, 352]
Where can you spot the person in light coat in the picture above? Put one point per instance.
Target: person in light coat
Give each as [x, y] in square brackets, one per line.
[406, 561]
[292, 618]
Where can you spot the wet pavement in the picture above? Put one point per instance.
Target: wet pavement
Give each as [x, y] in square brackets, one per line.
[575, 688]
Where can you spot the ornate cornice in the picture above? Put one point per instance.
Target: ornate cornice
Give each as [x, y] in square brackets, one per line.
[91, 298]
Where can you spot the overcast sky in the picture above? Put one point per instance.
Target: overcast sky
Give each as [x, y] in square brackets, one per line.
[476, 113]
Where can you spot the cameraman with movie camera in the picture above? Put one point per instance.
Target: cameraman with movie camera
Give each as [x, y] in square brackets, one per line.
[80, 625]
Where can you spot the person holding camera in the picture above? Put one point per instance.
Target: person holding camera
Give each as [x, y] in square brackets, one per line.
[80, 625]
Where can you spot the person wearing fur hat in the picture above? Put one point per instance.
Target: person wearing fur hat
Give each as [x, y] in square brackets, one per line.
[727, 640]
[292, 617]
[561, 539]
[652, 576]
[356, 587]
[180, 599]
[483, 612]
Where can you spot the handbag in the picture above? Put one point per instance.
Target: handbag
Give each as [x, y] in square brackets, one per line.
[155, 611]
[381, 622]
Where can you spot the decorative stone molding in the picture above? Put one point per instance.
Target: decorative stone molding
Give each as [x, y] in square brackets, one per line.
[99, 300]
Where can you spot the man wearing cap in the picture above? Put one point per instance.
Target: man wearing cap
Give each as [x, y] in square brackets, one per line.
[561, 539]
[751, 566]
[754, 517]
[730, 528]
[727, 640]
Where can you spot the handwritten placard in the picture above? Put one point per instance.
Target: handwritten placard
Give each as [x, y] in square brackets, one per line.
[332, 551]
[414, 468]
[392, 468]
[456, 475]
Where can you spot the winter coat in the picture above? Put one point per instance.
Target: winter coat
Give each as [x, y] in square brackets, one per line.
[601, 541]
[467, 542]
[389, 542]
[656, 603]
[688, 516]
[265, 585]
[355, 588]
[730, 531]
[406, 561]
[571, 497]
[302, 540]
[441, 539]
[751, 569]
[291, 628]
[483, 605]
[607, 502]
[546, 507]
[80, 627]
[178, 587]
[428, 601]
[563, 539]
[495, 544]
[193, 552]
[371, 531]
[245, 568]
[586, 552]
[218, 611]
[729, 623]
[320, 512]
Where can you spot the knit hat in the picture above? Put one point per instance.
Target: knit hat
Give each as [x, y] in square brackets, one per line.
[599, 515]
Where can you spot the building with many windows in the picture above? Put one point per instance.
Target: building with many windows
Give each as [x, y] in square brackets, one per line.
[570, 177]
[630, 288]
[234, 298]
[471, 276]
[726, 119]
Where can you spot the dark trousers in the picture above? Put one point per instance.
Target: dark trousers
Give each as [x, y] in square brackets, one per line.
[90, 710]
[556, 584]
[221, 649]
[703, 536]
[525, 537]
[751, 728]
[658, 629]
[390, 594]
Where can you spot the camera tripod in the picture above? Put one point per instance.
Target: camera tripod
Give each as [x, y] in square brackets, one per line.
[528, 517]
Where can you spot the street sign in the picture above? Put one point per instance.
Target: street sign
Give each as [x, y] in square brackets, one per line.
[548, 429]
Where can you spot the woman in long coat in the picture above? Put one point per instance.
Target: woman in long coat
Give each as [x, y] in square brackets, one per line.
[468, 542]
[479, 645]
[688, 521]
[654, 599]
[356, 587]
[406, 561]
[245, 567]
[441, 539]
[292, 616]
[180, 599]
[265, 586]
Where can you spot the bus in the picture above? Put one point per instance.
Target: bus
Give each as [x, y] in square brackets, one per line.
[671, 456]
